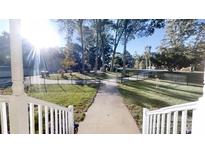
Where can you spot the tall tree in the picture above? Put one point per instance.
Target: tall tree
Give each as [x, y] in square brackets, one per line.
[198, 47]
[80, 25]
[105, 40]
[89, 44]
[117, 28]
[97, 29]
[137, 28]
[69, 26]
[179, 48]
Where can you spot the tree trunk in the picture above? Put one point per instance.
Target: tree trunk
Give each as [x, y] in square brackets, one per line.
[97, 45]
[116, 42]
[149, 63]
[113, 58]
[146, 64]
[82, 45]
[124, 55]
[103, 55]
[101, 27]
[96, 60]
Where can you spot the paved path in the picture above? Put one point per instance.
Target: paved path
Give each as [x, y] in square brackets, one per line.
[135, 77]
[108, 114]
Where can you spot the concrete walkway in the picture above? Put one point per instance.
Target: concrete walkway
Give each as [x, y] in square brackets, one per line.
[108, 114]
[136, 77]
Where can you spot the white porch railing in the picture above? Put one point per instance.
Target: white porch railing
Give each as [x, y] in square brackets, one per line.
[43, 118]
[177, 119]
[20, 114]
[49, 118]
[3, 118]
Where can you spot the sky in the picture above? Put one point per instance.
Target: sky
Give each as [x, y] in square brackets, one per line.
[4, 25]
[133, 46]
[138, 44]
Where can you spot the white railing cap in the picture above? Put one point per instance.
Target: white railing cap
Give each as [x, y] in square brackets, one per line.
[45, 103]
[186, 106]
[25, 98]
[4, 98]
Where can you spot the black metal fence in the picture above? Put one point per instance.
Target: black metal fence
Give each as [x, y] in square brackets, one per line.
[188, 78]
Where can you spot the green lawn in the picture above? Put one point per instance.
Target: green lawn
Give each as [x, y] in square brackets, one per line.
[80, 96]
[139, 94]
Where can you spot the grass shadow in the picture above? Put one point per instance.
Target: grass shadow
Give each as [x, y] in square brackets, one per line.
[163, 89]
[140, 94]
[141, 100]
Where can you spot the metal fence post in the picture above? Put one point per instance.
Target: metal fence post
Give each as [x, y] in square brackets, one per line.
[70, 120]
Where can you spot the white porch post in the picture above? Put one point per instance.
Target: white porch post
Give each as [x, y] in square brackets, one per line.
[18, 109]
[70, 120]
[145, 121]
[198, 125]
[16, 58]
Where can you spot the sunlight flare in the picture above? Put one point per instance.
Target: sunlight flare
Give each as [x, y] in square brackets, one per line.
[40, 33]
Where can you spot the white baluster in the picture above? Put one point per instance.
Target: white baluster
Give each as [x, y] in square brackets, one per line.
[71, 119]
[63, 112]
[183, 122]
[150, 124]
[4, 126]
[66, 121]
[158, 123]
[60, 128]
[147, 124]
[31, 113]
[40, 127]
[175, 122]
[168, 123]
[56, 121]
[154, 125]
[51, 118]
[163, 123]
[46, 120]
